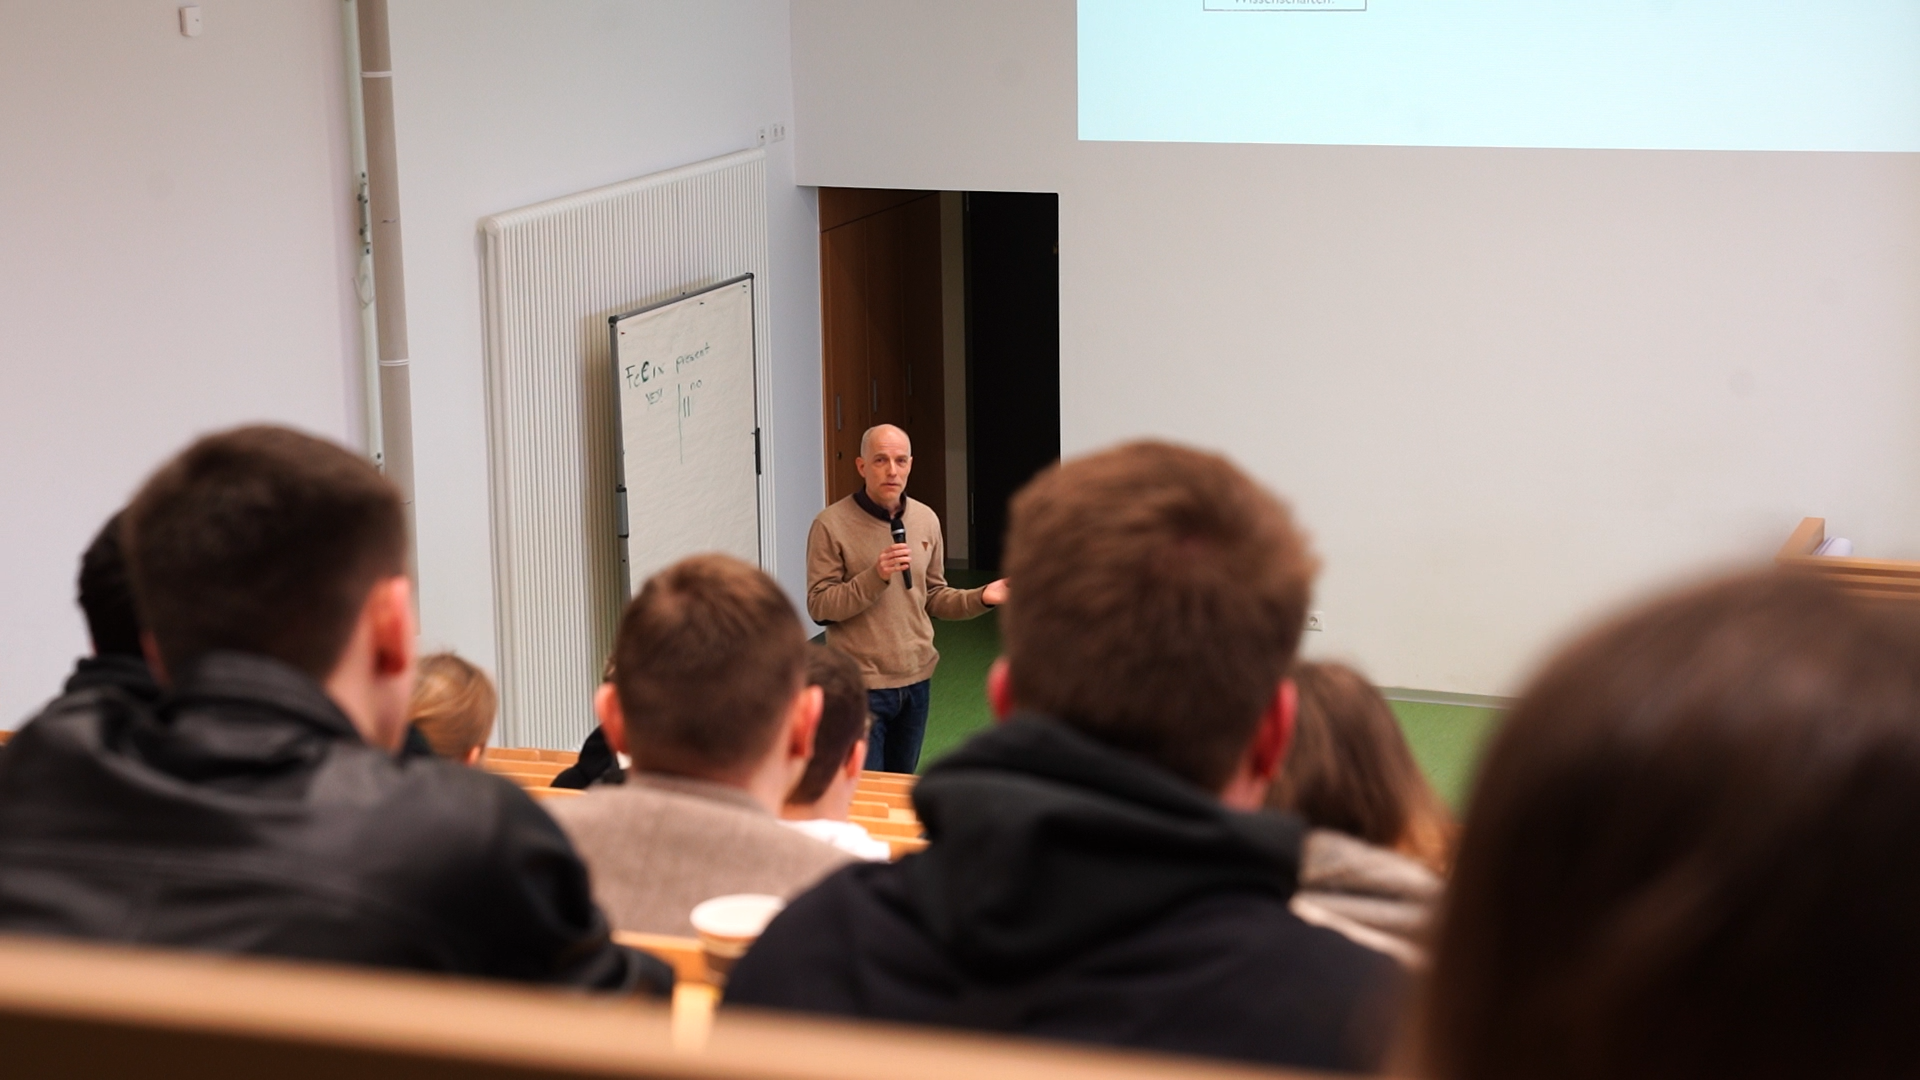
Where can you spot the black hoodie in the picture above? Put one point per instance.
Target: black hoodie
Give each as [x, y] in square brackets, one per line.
[1074, 891]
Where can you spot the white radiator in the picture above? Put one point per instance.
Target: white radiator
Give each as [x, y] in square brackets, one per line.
[554, 272]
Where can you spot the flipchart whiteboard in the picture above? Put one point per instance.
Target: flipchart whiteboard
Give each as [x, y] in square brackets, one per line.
[689, 429]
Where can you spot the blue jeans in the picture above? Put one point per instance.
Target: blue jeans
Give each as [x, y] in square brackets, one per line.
[899, 723]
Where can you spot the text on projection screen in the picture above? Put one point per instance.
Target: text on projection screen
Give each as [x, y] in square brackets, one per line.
[1833, 75]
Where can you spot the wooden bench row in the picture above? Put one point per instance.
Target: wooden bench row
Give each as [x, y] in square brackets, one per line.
[534, 761]
[903, 837]
[883, 802]
[1895, 580]
[72, 1009]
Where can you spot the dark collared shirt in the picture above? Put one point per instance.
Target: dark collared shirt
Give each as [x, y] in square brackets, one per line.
[865, 502]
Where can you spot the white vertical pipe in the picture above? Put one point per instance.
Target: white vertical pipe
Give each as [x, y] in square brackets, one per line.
[363, 269]
[389, 279]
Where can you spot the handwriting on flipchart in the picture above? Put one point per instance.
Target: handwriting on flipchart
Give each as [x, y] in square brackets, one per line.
[647, 374]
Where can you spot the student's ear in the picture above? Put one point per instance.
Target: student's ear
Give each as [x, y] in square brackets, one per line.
[1000, 689]
[1276, 732]
[1247, 788]
[803, 722]
[606, 706]
[856, 760]
[473, 756]
[150, 649]
[394, 633]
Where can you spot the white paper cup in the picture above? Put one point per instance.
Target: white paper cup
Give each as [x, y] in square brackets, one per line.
[729, 925]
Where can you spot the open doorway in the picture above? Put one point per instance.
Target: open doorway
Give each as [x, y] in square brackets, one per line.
[940, 313]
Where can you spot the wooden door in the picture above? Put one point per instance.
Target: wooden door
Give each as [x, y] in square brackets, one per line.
[881, 332]
[843, 282]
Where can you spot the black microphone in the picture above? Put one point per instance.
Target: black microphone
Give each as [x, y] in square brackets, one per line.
[900, 537]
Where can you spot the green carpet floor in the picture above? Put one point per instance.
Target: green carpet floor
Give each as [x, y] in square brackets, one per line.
[1446, 739]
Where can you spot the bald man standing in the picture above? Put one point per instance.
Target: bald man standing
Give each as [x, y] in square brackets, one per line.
[875, 595]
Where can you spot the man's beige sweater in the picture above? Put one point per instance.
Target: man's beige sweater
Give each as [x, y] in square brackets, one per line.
[882, 624]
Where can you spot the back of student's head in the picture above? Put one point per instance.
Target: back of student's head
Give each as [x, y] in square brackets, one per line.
[1158, 597]
[453, 706]
[709, 654]
[1691, 851]
[261, 540]
[843, 720]
[1349, 767]
[106, 596]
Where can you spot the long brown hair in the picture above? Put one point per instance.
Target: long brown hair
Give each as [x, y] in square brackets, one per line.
[1692, 852]
[1349, 768]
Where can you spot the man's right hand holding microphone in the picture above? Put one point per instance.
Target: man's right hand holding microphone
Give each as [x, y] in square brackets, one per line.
[894, 559]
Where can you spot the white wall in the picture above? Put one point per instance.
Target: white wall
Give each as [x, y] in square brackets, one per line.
[1504, 389]
[502, 103]
[175, 231]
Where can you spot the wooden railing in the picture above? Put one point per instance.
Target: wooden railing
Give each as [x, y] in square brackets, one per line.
[1879, 579]
[74, 1010]
[882, 801]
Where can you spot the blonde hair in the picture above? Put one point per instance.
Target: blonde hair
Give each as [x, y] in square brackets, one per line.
[453, 705]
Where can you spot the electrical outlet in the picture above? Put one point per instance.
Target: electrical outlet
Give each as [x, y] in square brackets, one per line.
[1316, 620]
[779, 131]
[763, 137]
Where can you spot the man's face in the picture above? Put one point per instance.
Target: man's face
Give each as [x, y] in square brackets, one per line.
[885, 467]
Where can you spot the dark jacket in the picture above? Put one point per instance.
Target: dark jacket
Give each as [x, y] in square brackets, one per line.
[245, 814]
[1074, 891]
[595, 765]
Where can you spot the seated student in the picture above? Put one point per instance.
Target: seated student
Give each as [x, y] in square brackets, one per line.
[113, 625]
[709, 698]
[596, 763]
[453, 707]
[819, 804]
[1690, 851]
[1099, 869]
[259, 808]
[1371, 866]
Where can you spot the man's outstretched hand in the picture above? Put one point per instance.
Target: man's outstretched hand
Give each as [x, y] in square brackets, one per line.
[995, 593]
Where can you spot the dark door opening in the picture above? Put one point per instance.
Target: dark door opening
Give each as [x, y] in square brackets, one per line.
[1013, 354]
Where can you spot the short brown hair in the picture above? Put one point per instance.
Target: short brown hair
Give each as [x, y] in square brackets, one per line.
[106, 596]
[1349, 768]
[844, 720]
[709, 653]
[261, 540]
[1691, 851]
[1158, 596]
[453, 705]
